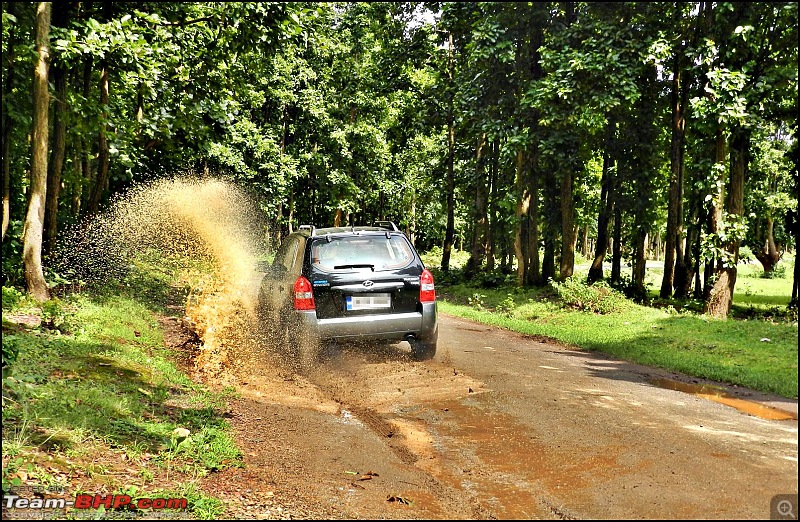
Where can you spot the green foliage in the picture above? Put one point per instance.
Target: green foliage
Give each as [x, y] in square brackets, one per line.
[55, 316]
[506, 306]
[598, 298]
[343, 111]
[12, 256]
[106, 388]
[11, 297]
[11, 349]
[779, 272]
[476, 301]
[10, 479]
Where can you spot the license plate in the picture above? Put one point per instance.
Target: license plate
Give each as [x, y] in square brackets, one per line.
[369, 302]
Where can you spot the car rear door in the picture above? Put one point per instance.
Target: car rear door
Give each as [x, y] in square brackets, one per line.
[285, 269]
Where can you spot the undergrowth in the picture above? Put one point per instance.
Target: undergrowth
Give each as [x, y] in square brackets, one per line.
[91, 399]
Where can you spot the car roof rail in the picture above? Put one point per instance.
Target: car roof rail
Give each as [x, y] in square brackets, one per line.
[311, 228]
[386, 224]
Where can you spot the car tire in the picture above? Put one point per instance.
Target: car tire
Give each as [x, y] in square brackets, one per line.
[422, 351]
[264, 320]
[301, 350]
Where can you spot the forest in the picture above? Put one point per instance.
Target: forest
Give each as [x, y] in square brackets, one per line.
[524, 133]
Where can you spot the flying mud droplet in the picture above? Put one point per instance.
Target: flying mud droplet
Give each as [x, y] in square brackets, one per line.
[202, 234]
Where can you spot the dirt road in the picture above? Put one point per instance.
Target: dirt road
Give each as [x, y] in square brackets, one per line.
[497, 426]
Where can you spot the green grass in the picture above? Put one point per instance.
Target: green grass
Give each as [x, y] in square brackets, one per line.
[755, 353]
[93, 393]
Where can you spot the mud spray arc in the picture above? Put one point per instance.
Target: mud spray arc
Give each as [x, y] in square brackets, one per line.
[207, 232]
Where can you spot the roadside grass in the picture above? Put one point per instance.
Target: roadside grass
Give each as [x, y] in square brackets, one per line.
[92, 402]
[755, 296]
[756, 353]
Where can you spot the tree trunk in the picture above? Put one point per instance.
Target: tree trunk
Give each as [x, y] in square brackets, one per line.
[672, 237]
[56, 164]
[478, 252]
[683, 267]
[291, 211]
[449, 231]
[768, 255]
[585, 241]
[521, 213]
[567, 225]
[793, 222]
[716, 303]
[616, 257]
[607, 199]
[640, 260]
[491, 227]
[719, 300]
[533, 276]
[9, 66]
[34, 220]
[549, 261]
[103, 158]
[80, 194]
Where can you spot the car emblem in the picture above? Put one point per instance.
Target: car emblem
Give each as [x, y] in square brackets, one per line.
[368, 283]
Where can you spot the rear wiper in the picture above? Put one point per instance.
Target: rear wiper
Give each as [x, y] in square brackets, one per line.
[371, 267]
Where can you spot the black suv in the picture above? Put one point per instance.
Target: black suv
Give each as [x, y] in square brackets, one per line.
[364, 283]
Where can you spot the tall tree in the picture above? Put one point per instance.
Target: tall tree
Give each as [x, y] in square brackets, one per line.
[758, 58]
[34, 220]
[675, 268]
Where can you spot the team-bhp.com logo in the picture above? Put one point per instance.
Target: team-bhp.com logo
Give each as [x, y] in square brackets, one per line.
[85, 501]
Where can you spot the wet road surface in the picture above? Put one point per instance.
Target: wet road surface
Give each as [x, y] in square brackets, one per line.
[503, 426]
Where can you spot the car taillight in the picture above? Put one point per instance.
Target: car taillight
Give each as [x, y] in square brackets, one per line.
[303, 294]
[427, 293]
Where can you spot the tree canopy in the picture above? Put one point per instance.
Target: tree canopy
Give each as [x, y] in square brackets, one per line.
[523, 132]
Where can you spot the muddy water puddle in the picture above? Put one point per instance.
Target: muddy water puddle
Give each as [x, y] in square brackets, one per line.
[505, 467]
[717, 394]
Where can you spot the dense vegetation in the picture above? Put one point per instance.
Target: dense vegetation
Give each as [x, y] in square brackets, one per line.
[522, 132]
[94, 398]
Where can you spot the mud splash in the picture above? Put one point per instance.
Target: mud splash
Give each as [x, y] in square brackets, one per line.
[203, 234]
[717, 394]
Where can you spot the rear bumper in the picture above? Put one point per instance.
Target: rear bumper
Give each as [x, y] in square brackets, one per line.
[422, 325]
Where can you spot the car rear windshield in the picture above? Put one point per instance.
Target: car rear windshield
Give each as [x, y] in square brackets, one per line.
[361, 252]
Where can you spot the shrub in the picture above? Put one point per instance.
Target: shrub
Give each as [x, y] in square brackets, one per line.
[778, 272]
[506, 306]
[11, 346]
[476, 301]
[11, 297]
[55, 315]
[598, 298]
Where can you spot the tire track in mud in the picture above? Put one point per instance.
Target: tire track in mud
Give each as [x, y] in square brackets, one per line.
[404, 402]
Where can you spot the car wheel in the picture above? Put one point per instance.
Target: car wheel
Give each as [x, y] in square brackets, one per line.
[422, 351]
[264, 319]
[300, 349]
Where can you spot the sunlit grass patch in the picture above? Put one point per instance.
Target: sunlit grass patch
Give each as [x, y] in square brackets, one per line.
[98, 407]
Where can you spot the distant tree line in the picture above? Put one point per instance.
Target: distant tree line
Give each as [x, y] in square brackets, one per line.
[523, 132]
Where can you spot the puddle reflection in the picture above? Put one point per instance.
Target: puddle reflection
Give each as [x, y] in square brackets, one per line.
[717, 394]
